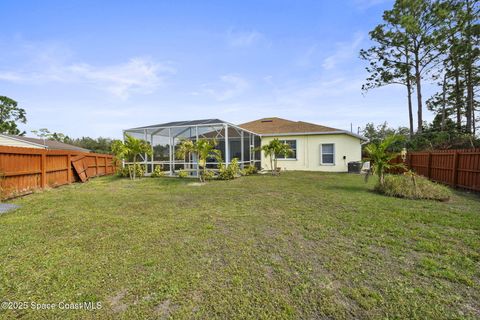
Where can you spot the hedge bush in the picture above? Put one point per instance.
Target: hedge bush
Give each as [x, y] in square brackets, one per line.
[413, 187]
[229, 172]
[125, 171]
[249, 170]
[182, 173]
[158, 172]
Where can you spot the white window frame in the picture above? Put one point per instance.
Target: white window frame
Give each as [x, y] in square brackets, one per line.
[296, 150]
[321, 155]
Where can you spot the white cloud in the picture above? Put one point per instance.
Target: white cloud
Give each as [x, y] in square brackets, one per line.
[11, 76]
[344, 51]
[243, 39]
[138, 75]
[230, 86]
[41, 64]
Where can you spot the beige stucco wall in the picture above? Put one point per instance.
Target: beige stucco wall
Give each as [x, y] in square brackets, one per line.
[308, 152]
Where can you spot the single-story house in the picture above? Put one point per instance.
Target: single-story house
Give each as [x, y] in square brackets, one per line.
[315, 147]
[36, 143]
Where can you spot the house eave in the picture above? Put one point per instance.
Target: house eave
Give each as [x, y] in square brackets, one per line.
[313, 133]
[24, 141]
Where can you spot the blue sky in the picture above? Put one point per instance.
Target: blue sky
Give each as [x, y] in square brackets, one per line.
[94, 68]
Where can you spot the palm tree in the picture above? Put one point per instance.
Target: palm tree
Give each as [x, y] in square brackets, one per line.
[130, 148]
[274, 149]
[184, 149]
[268, 153]
[203, 149]
[381, 158]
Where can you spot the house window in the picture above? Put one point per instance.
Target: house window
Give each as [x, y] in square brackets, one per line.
[292, 155]
[327, 155]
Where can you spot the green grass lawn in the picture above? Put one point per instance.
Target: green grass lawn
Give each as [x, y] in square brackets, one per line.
[302, 245]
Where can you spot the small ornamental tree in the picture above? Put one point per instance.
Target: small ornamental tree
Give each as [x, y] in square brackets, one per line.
[203, 149]
[274, 149]
[131, 148]
[381, 157]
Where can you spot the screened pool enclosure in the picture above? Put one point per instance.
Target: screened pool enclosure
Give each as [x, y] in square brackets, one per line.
[231, 140]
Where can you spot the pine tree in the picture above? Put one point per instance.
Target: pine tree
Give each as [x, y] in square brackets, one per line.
[389, 62]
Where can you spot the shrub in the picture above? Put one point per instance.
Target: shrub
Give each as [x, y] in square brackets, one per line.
[230, 172]
[182, 174]
[234, 167]
[250, 169]
[127, 171]
[139, 170]
[158, 172]
[123, 172]
[224, 173]
[411, 186]
[208, 175]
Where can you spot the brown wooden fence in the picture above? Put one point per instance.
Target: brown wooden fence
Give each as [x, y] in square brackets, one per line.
[26, 169]
[457, 168]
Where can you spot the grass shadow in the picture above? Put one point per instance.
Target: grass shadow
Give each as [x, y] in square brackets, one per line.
[354, 188]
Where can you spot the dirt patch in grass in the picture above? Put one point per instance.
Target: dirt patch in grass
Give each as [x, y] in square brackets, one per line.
[116, 302]
[196, 184]
[164, 309]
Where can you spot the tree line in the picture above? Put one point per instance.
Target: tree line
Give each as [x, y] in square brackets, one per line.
[98, 145]
[427, 41]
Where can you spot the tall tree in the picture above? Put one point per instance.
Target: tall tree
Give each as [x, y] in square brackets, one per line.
[42, 133]
[99, 145]
[389, 62]
[471, 36]
[10, 115]
[421, 22]
[439, 102]
[460, 64]
[45, 134]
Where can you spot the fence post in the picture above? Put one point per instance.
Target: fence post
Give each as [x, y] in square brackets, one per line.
[96, 166]
[455, 169]
[105, 163]
[429, 165]
[69, 168]
[43, 166]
